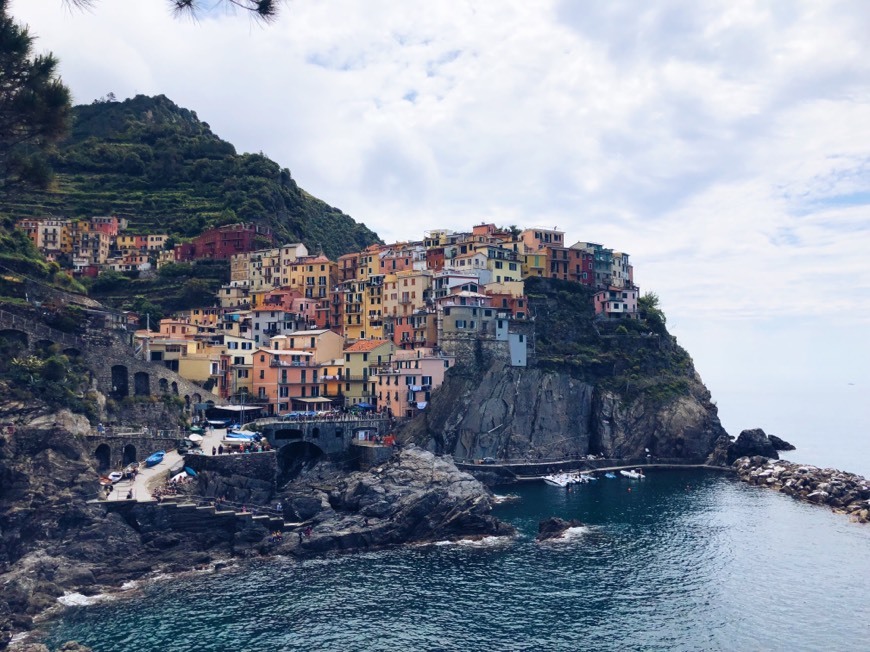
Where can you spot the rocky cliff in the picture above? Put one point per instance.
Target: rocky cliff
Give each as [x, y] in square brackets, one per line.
[618, 388]
[512, 413]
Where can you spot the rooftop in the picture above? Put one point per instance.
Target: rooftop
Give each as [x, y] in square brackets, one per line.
[363, 346]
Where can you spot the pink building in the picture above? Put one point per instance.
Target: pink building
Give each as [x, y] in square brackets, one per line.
[405, 384]
[617, 302]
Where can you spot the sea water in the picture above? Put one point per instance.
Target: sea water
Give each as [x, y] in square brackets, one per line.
[684, 560]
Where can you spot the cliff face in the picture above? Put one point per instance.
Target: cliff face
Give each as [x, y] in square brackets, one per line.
[519, 413]
[614, 388]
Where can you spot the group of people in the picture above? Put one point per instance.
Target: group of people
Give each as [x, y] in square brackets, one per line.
[234, 449]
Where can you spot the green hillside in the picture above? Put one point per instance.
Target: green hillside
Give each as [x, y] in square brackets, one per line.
[159, 166]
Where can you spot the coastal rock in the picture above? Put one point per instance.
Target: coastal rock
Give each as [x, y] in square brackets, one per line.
[780, 444]
[554, 527]
[531, 413]
[843, 492]
[415, 497]
[752, 443]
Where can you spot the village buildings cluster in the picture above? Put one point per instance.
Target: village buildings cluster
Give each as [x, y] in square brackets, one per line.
[295, 331]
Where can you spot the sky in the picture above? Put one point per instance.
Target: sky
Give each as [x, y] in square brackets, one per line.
[725, 145]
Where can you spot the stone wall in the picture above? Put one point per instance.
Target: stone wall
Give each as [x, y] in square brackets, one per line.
[483, 348]
[121, 449]
[333, 438]
[260, 466]
[244, 479]
[160, 523]
[367, 457]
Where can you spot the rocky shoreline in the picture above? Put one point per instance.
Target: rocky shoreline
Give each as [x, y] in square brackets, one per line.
[844, 493]
[69, 546]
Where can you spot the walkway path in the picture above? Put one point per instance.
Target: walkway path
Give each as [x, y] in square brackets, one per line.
[149, 478]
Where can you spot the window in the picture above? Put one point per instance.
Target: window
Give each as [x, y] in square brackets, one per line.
[262, 374]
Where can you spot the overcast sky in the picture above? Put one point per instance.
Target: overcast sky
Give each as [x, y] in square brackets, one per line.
[724, 145]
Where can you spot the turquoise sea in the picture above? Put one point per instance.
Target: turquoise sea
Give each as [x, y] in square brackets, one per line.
[684, 560]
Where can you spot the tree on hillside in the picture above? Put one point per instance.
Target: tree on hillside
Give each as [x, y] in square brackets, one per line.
[649, 308]
[34, 107]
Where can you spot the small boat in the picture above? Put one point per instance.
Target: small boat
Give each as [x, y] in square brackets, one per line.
[634, 474]
[565, 479]
[195, 439]
[155, 458]
[238, 434]
[610, 475]
[189, 471]
[197, 430]
[116, 476]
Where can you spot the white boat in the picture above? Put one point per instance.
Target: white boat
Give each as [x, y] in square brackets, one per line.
[556, 479]
[195, 439]
[634, 474]
[564, 479]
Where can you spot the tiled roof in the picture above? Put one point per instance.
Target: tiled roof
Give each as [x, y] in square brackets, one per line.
[365, 345]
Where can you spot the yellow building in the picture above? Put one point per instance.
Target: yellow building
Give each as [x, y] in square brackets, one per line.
[323, 344]
[332, 380]
[360, 359]
[373, 306]
[352, 294]
[535, 264]
[406, 292]
[314, 277]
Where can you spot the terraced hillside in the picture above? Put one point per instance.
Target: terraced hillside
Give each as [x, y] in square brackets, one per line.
[159, 166]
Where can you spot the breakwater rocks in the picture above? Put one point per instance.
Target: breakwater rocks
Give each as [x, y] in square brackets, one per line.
[845, 493]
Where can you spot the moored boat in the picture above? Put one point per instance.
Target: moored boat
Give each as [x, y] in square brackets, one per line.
[155, 458]
[634, 474]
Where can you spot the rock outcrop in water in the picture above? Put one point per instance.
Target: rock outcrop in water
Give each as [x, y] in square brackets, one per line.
[780, 444]
[845, 493]
[752, 443]
[554, 527]
[413, 498]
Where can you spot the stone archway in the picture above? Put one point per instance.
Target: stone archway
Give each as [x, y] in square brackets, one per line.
[129, 455]
[288, 433]
[43, 345]
[120, 381]
[141, 384]
[163, 384]
[295, 457]
[72, 352]
[103, 456]
[197, 398]
[174, 388]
